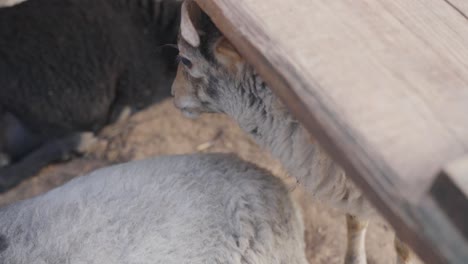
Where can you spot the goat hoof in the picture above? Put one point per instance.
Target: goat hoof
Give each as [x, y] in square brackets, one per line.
[85, 142]
[124, 114]
[355, 260]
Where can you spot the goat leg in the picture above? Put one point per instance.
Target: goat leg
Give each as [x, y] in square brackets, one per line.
[356, 248]
[52, 151]
[404, 254]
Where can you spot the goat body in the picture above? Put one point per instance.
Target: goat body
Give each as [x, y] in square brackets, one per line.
[69, 66]
[66, 65]
[203, 208]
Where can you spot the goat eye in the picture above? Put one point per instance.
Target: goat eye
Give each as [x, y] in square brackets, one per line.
[185, 62]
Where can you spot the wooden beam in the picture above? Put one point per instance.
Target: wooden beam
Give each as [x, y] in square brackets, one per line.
[382, 84]
[460, 5]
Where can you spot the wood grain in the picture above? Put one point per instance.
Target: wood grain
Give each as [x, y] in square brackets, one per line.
[382, 84]
[460, 5]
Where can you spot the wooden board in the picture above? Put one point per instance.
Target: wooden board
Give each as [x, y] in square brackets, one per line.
[460, 5]
[382, 84]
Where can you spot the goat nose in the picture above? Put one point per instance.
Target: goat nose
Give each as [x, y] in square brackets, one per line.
[177, 104]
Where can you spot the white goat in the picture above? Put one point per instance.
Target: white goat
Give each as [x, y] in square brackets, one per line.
[197, 209]
[213, 77]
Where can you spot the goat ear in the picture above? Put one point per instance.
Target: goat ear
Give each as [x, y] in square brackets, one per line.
[227, 55]
[190, 15]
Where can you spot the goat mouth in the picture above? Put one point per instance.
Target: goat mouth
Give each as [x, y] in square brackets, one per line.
[189, 108]
[191, 113]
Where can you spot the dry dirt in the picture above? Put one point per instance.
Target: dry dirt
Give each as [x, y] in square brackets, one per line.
[162, 130]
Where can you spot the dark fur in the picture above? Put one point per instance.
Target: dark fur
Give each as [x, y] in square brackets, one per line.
[73, 65]
[66, 65]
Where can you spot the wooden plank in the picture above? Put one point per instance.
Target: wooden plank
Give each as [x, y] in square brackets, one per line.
[381, 83]
[460, 5]
[415, 80]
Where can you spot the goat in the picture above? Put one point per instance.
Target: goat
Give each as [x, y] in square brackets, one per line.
[213, 77]
[72, 66]
[201, 208]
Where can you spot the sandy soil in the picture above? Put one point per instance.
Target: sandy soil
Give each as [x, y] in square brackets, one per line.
[161, 130]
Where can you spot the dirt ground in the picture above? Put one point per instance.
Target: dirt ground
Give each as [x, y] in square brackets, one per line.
[162, 130]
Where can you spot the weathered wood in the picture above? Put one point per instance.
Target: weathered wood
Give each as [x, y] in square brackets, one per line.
[460, 5]
[382, 84]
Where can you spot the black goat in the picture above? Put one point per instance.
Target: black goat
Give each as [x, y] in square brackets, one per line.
[72, 66]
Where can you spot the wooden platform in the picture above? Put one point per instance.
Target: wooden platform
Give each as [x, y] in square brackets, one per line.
[383, 85]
